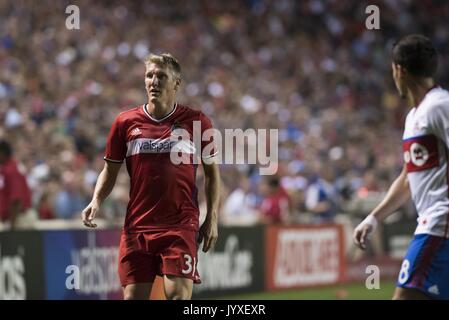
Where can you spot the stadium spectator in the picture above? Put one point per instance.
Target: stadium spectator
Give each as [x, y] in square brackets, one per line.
[321, 197]
[69, 201]
[44, 208]
[15, 195]
[240, 206]
[275, 207]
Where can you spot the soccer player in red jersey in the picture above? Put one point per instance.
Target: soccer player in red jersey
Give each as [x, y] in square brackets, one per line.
[161, 233]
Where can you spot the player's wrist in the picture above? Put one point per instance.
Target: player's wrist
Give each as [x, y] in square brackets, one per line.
[211, 219]
[371, 220]
[96, 202]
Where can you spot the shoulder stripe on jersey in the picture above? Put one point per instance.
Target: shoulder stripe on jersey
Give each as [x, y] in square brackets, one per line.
[110, 160]
[415, 137]
[162, 119]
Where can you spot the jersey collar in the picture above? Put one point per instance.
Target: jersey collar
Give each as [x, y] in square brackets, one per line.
[435, 86]
[161, 119]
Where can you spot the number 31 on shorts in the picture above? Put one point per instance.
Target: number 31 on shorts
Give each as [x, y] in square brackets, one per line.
[190, 267]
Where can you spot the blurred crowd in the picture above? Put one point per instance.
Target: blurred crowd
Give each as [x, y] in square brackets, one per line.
[308, 68]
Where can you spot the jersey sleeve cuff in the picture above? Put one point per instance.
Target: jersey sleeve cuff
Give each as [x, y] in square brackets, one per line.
[112, 160]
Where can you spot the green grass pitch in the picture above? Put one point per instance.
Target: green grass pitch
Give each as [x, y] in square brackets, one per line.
[352, 291]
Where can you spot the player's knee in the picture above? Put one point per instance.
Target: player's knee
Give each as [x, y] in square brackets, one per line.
[397, 296]
[400, 294]
[178, 293]
[177, 288]
[129, 296]
[132, 292]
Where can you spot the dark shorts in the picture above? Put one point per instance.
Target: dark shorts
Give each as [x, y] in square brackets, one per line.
[144, 255]
[426, 266]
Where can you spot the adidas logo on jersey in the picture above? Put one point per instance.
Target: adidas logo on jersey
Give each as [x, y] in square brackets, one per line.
[135, 132]
[434, 290]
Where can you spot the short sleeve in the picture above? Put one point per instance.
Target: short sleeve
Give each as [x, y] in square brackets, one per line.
[436, 122]
[116, 144]
[209, 148]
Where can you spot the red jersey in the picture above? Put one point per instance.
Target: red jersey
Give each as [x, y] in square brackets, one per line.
[163, 195]
[13, 186]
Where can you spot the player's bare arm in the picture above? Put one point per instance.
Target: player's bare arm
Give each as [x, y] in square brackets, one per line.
[105, 184]
[398, 194]
[209, 229]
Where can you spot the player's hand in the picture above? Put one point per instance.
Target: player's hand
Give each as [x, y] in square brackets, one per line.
[361, 235]
[363, 231]
[89, 214]
[208, 234]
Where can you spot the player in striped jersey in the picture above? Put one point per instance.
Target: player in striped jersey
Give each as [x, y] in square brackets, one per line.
[425, 269]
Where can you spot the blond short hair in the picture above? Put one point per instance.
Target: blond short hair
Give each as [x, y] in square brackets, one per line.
[164, 60]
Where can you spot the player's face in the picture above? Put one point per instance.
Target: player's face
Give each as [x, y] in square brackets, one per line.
[160, 83]
[398, 79]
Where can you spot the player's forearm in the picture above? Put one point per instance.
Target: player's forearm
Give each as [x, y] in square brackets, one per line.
[397, 196]
[105, 184]
[212, 189]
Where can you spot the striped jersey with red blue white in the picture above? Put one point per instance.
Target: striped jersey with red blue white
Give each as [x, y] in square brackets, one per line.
[425, 147]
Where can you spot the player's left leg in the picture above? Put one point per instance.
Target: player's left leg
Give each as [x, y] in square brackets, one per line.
[179, 257]
[136, 267]
[137, 291]
[425, 269]
[177, 288]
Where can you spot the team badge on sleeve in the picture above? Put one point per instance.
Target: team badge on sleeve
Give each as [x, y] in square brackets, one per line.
[421, 153]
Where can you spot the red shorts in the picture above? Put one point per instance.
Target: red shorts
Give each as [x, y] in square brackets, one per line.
[144, 255]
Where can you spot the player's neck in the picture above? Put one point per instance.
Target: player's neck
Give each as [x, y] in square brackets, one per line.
[418, 90]
[160, 110]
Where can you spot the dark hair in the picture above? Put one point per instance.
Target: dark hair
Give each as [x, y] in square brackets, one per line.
[273, 182]
[5, 148]
[417, 55]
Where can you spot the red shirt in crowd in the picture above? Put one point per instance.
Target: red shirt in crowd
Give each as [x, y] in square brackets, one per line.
[13, 186]
[275, 207]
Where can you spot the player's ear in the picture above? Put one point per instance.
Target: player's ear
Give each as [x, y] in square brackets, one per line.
[401, 71]
[177, 83]
[394, 67]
